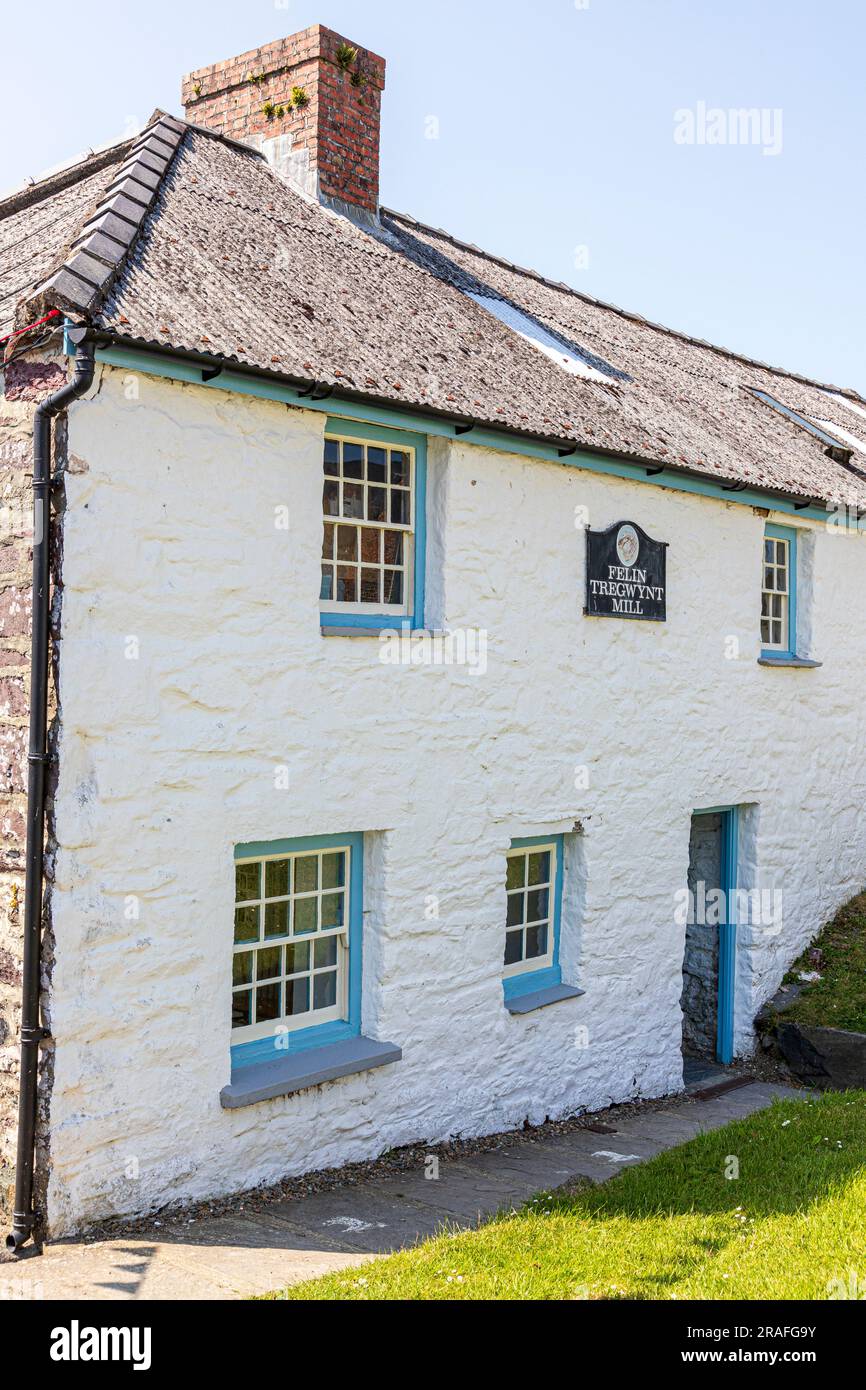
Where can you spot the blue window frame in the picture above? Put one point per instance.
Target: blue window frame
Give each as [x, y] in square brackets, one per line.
[374, 526]
[296, 977]
[534, 873]
[779, 592]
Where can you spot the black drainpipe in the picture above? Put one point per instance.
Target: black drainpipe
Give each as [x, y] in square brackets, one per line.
[32, 1032]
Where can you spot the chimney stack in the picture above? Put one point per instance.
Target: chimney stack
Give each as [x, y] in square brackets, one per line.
[311, 104]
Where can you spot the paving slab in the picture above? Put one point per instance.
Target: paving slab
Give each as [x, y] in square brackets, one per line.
[252, 1252]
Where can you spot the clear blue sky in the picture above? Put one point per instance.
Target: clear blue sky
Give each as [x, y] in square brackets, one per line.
[556, 131]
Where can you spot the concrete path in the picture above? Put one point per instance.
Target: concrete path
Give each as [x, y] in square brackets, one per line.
[248, 1253]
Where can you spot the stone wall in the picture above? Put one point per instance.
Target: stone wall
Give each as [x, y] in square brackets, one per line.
[701, 960]
[193, 667]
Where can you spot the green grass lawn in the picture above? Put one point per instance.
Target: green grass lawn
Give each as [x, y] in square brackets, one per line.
[676, 1227]
[838, 999]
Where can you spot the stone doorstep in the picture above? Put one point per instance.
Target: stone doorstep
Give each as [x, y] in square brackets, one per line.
[242, 1254]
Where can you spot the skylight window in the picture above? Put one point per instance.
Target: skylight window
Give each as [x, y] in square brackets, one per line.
[819, 428]
[576, 362]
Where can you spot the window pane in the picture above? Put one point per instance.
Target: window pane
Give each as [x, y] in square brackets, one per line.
[268, 963]
[297, 995]
[327, 589]
[246, 924]
[376, 465]
[347, 584]
[393, 547]
[242, 968]
[769, 552]
[370, 586]
[399, 508]
[513, 947]
[325, 990]
[276, 878]
[332, 457]
[769, 578]
[347, 542]
[536, 942]
[331, 499]
[376, 500]
[246, 882]
[332, 910]
[539, 867]
[392, 582]
[765, 631]
[297, 957]
[536, 905]
[333, 870]
[514, 914]
[267, 1003]
[326, 953]
[370, 546]
[277, 919]
[353, 460]
[781, 552]
[242, 1008]
[328, 541]
[353, 499]
[515, 872]
[782, 581]
[399, 468]
[306, 915]
[307, 873]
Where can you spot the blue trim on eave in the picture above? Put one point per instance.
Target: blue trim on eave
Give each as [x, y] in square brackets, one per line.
[532, 980]
[175, 369]
[319, 1035]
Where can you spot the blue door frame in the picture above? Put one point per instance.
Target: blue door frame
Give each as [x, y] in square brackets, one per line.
[727, 931]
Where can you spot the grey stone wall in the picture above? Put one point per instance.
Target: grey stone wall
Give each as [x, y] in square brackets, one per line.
[701, 959]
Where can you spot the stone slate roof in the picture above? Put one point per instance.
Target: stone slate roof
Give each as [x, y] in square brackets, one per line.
[182, 240]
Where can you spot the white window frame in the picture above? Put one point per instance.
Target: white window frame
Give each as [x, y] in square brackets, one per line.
[768, 594]
[398, 610]
[312, 1018]
[525, 967]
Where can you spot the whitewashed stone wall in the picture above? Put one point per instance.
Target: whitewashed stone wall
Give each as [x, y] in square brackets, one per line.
[168, 760]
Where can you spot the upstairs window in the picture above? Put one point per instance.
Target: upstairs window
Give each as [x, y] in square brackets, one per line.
[373, 527]
[778, 592]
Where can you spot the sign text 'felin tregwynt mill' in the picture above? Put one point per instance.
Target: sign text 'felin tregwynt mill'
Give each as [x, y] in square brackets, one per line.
[625, 574]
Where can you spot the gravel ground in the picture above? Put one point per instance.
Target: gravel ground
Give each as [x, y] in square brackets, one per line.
[762, 1067]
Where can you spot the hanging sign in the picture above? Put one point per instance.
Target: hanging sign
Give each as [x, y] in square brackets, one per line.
[625, 574]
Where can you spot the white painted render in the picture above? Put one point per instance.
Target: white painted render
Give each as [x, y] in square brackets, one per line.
[168, 760]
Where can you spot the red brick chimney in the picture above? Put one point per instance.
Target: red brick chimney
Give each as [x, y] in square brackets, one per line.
[310, 103]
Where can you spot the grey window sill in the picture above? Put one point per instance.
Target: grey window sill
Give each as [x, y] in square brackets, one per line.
[540, 998]
[801, 661]
[299, 1070]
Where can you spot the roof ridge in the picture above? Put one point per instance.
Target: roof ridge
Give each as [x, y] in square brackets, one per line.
[409, 221]
[100, 247]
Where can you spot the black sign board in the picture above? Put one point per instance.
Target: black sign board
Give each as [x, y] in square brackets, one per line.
[625, 574]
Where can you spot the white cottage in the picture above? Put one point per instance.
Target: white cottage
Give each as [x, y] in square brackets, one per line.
[444, 702]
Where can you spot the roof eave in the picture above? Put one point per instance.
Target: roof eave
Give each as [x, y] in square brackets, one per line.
[463, 424]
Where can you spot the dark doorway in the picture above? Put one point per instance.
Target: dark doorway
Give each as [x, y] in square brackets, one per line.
[700, 996]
